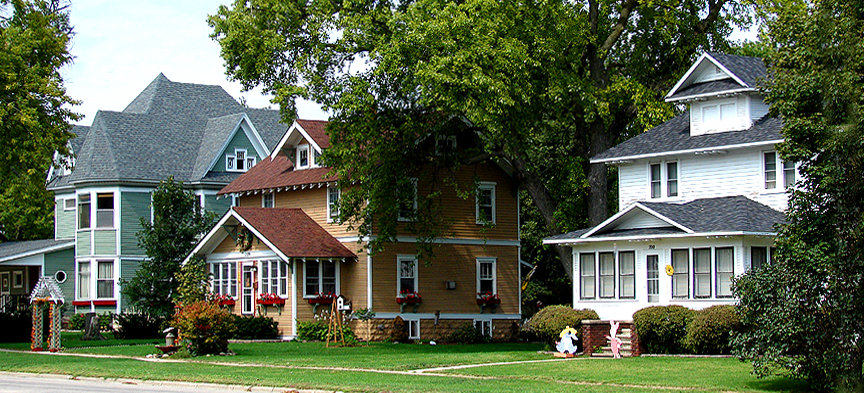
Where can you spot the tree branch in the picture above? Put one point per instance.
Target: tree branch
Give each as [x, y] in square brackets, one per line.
[714, 9]
[618, 29]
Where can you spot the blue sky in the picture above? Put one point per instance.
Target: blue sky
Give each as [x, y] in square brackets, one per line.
[120, 47]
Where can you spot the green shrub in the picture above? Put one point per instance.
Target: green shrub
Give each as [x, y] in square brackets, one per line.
[204, 327]
[138, 325]
[548, 323]
[711, 329]
[398, 331]
[661, 329]
[255, 327]
[76, 322]
[466, 334]
[316, 330]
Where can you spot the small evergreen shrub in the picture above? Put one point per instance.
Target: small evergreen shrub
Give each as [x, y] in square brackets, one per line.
[466, 334]
[661, 329]
[398, 330]
[548, 323]
[138, 325]
[316, 330]
[711, 329]
[252, 328]
[204, 327]
[76, 322]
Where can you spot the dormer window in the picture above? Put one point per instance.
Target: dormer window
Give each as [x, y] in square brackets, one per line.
[302, 156]
[719, 116]
[239, 161]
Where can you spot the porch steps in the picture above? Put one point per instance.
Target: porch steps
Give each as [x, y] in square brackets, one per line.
[626, 349]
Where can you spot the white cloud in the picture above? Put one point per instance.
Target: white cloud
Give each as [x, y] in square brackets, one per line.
[121, 46]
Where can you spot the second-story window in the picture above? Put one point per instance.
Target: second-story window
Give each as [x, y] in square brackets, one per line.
[267, 200]
[663, 179]
[240, 161]
[408, 201]
[485, 204]
[84, 211]
[656, 182]
[333, 194]
[770, 170]
[771, 163]
[69, 204]
[486, 282]
[671, 179]
[105, 210]
[302, 156]
[788, 174]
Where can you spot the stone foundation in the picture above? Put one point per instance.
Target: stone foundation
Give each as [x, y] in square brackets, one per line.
[381, 329]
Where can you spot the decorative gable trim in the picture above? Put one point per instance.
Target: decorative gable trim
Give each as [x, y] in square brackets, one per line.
[611, 220]
[218, 238]
[298, 128]
[251, 134]
[696, 65]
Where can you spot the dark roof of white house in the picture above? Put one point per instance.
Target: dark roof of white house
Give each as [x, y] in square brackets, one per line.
[170, 128]
[749, 70]
[12, 249]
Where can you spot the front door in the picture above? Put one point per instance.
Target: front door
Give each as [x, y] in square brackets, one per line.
[248, 291]
[653, 265]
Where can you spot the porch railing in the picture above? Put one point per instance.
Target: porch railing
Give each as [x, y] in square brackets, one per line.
[12, 303]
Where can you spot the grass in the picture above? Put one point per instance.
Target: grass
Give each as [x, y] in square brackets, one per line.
[73, 340]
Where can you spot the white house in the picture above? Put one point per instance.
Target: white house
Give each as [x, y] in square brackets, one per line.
[699, 197]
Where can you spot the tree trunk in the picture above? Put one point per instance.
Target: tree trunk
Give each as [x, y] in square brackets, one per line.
[91, 327]
[598, 182]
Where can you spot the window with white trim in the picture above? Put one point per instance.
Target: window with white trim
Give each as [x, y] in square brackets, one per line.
[788, 174]
[412, 327]
[274, 277]
[773, 167]
[105, 210]
[407, 271]
[626, 274]
[104, 279]
[607, 275]
[445, 145]
[663, 179]
[267, 200]
[758, 257]
[224, 278]
[671, 179]
[407, 197]
[724, 269]
[770, 171]
[320, 277]
[486, 276]
[484, 327]
[83, 273]
[302, 156]
[701, 272]
[721, 116]
[84, 211]
[656, 182]
[484, 211]
[587, 275]
[69, 204]
[333, 195]
[680, 276]
[18, 279]
[240, 161]
[316, 158]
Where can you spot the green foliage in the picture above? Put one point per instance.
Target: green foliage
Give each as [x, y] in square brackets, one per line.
[316, 330]
[662, 329]
[133, 325]
[34, 112]
[249, 327]
[193, 281]
[803, 314]
[711, 329]
[548, 323]
[466, 334]
[106, 321]
[363, 314]
[178, 222]
[204, 327]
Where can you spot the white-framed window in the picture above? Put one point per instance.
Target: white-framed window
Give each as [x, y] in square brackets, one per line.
[333, 195]
[316, 158]
[239, 161]
[105, 279]
[320, 276]
[788, 174]
[84, 211]
[724, 269]
[224, 278]
[770, 169]
[69, 204]
[626, 274]
[445, 144]
[267, 200]
[105, 210]
[83, 273]
[303, 160]
[406, 266]
[274, 277]
[240, 154]
[484, 211]
[487, 281]
[758, 257]
[408, 201]
[413, 328]
[607, 275]
[773, 167]
[701, 272]
[663, 179]
[681, 275]
[18, 279]
[484, 326]
[587, 275]
[719, 116]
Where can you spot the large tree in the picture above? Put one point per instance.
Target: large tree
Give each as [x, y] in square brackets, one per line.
[804, 313]
[34, 111]
[543, 83]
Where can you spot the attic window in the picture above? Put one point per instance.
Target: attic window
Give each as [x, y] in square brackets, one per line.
[239, 161]
[445, 144]
[302, 156]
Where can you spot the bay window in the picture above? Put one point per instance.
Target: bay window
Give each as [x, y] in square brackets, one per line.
[105, 210]
[104, 279]
[83, 280]
[84, 211]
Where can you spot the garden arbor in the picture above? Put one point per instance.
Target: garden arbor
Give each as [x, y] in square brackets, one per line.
[46, 293]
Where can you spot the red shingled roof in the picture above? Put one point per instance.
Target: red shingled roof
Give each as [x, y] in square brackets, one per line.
[276, 173]
[294, 233]
[315, 129]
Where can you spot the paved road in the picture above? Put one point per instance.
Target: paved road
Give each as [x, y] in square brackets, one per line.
[27, 383]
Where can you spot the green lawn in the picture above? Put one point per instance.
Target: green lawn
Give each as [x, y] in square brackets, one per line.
[73, 340]
[646, 374]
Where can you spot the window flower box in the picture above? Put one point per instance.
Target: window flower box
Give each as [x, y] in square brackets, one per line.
[488, 300]
[408, 298]
[270, 299]
[319, 299]
[225, 300]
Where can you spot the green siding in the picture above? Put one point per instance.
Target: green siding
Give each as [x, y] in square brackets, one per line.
[64, 221]
[63, 260]
[219, 206]
[128, 268]
[105, 242]
[133, 206]
[240, 141]
[82, 245]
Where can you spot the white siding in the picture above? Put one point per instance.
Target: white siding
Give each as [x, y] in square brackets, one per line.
[632, 183]
[758, 107]
[637, 218]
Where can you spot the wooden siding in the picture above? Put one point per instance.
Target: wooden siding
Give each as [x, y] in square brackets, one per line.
[452, 263]
[133, 207]
[105, 242]
[82, 243]
[229, 245]
[64, 220]
[240, 141]
[313, 201]
[63, 260]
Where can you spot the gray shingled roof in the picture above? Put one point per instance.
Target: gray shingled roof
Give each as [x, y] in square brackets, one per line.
[706, 88]
[724, 214]
[10, 249]
[170, 128]
[748, 69]
[674, 135]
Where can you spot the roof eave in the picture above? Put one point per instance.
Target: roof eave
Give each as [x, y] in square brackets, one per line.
[716, 94]
[685, 151]
[576, 241]
[70, 244]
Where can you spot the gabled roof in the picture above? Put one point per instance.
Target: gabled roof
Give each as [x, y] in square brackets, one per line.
[739, 74]
[277, 173]
[734, 215]
[316, 130]
[21, 249]
[170, 128]
[290, 233]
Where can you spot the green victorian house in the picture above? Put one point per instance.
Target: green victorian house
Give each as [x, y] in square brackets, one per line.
[197, 133]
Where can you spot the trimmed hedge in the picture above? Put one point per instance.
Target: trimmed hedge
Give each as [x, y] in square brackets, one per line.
[138, 325]
[548, 323]
[711, 329]
[661, 329]
[252, 328]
